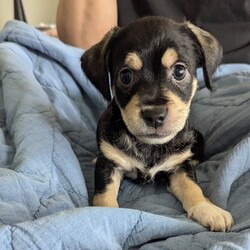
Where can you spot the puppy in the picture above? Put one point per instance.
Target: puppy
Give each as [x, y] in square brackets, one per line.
[147, 70]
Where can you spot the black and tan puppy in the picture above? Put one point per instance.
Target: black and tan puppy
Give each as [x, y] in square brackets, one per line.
[149, 67]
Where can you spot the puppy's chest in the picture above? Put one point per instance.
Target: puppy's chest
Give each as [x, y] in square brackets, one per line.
[131, 156]
[150, 157]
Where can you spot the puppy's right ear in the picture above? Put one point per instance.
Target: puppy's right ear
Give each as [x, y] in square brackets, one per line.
[94, 63]
[210, 52]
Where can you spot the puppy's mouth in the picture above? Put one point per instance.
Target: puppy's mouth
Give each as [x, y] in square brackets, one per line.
[154, 135]
[155, 138]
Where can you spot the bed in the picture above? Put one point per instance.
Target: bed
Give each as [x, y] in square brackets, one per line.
[48, 116]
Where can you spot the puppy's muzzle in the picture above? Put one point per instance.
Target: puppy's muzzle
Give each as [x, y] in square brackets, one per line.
[154, 117]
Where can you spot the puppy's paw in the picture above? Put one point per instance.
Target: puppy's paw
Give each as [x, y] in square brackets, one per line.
[101, 200]
[211, 216]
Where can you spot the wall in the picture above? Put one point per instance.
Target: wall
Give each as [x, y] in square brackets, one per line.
[37, 11]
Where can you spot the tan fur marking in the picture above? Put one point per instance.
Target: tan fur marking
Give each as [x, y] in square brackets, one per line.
[131, 115]
[123, 162]
[177, 100]
[170, 163]
[194, 89]
[178, 112]
[133, 61]
[169, 57]
[198, 207]
[128, 164]
[109, 197]
[201, 34]
[186, 190]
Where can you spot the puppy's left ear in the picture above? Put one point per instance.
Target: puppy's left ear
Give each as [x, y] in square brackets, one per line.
[95, 61]
[210, 52]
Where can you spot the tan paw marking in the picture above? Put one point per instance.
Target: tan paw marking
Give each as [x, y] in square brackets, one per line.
[102, 200]
[211, 216]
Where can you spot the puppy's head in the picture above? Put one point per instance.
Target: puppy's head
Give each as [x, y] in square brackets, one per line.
[152, 65]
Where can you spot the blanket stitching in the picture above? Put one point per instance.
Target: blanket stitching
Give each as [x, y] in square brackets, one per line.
[46, 191]
[28, 234]
[243, 74]
[40, 41]
[240, 180]
[231, 104]
[71, 190]
[37, 211]
[132, 230]
[11, 29]
[74, 100]
[243, 175]
[11, 237]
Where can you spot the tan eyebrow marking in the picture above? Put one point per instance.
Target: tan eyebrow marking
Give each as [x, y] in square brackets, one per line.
[169, 57]
[133, 61]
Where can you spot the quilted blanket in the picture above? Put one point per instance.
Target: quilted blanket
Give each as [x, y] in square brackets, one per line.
[48, 116]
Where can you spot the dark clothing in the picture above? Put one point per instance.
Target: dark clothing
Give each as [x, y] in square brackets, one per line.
[227, 20]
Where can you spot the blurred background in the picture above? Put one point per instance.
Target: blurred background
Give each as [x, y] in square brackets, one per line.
[36, 11]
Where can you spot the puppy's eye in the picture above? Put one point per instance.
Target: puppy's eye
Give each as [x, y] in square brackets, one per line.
[126, 76]
[179, 71]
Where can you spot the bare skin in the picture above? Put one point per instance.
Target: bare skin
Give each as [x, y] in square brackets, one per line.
[83, 23]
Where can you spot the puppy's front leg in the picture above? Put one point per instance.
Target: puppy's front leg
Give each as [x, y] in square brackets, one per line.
[107, 183]
[197, 206]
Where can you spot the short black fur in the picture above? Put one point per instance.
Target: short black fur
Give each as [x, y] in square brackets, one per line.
[149, 38]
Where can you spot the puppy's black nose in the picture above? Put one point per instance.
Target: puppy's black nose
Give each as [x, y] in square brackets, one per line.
[154, 117]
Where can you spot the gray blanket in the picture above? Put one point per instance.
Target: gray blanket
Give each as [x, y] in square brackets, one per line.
[48, 116]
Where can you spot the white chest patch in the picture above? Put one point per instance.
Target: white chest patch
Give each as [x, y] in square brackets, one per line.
[129, 165]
